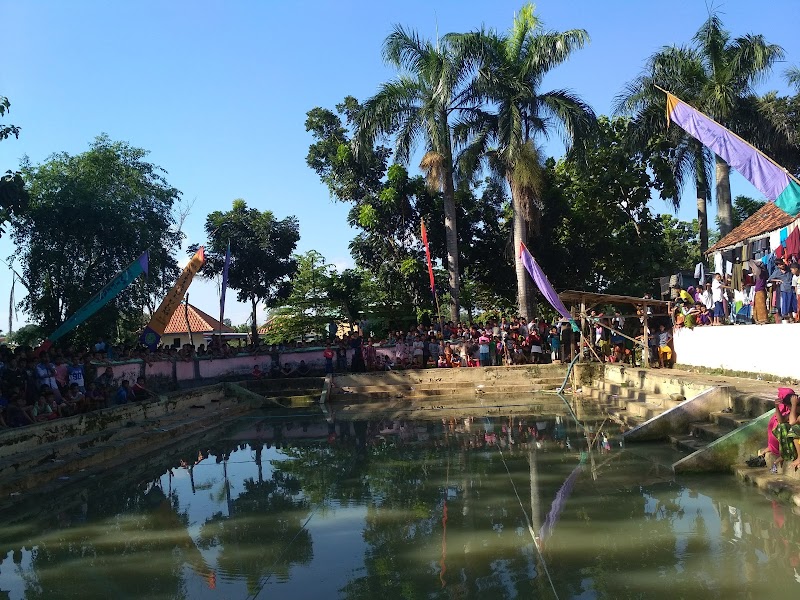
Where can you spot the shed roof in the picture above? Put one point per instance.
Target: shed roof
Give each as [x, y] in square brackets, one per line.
[766, 219]
[199, 321]
[592, 299]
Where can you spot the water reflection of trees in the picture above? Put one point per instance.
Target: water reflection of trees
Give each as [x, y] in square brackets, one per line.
[253, 539]
[135, 553]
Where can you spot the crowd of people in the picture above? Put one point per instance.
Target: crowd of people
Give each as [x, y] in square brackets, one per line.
[757, 292]
[36, 387]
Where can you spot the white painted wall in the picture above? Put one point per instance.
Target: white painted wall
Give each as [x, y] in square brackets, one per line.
[769, 349]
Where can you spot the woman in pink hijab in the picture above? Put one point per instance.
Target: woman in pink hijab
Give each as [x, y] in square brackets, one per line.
[782, 412]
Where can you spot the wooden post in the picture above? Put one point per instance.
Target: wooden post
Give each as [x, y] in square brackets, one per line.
[583, 326]
[646, 338]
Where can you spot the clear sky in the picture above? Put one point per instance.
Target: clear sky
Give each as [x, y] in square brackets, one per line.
[218, 92]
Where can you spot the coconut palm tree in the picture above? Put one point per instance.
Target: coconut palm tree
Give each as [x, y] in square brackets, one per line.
[689, 160]
[729, 71]
[421, 103]
[510, 69]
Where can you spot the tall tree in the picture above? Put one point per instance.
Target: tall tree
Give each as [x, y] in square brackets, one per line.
[261, 254]
[722, 73]
[689, 161]
[90, 215]
[422, 103]
[511, 67]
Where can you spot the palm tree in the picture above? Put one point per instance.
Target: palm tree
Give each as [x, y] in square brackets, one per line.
[689, 159]
[510, 69]
[421, 103]
[722, 88]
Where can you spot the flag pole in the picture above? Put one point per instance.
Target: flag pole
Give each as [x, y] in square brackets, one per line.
[738, 137]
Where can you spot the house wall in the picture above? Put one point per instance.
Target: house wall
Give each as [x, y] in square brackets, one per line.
[769, 349]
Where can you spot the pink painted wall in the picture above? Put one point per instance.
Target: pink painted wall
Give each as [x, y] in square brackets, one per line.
[184, 370]
[224, 367]
[159, 369]
[238, 365]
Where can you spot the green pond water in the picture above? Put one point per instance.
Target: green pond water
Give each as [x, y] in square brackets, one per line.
[311, 506]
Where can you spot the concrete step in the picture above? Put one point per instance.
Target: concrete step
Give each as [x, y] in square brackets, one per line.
[708, 431]
[731, 420]
[501, 385]
[687, 443]
[520, 390]
[623, 416]
[751, 405]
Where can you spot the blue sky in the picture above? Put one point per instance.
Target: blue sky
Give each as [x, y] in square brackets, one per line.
[218, 92]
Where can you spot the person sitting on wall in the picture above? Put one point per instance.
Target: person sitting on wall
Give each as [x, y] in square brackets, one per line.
[124, 394]
[288, 369]
[140, 392]
[257, 373]
[302, 369]
[274, 370]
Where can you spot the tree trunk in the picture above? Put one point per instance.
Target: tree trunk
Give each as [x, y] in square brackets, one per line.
[702, 212]
[451, 238]
[254, 321]
[520, 228]
[724, 208]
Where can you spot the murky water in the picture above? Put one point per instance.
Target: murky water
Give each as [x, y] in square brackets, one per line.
[376, 507]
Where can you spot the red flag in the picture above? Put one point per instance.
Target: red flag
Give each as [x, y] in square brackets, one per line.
[428, 255]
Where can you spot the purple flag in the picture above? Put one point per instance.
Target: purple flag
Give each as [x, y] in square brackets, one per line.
[541, 281]
[768, 177]
[224, 283]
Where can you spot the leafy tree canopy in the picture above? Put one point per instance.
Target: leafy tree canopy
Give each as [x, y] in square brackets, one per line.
[90, 215]
[261, 254]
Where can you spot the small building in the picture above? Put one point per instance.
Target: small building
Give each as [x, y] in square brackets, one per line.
[202, 325]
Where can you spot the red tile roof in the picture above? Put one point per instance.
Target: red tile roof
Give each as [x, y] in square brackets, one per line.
[766, 219]
[199, 321]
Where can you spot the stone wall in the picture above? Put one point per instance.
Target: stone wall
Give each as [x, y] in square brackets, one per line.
[767, 349]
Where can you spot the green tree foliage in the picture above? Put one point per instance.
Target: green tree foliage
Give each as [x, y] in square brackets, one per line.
[320, 294]
[13, 195]
[598, 231]
[28, 335]
[387, 205]
[308, 309]
[89, 216]
[261, 254]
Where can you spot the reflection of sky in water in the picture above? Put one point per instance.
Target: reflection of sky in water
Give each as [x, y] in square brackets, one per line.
[380, 530]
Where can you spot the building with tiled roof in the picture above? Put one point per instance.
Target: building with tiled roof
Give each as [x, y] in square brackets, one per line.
[764, 221]
[177, 331]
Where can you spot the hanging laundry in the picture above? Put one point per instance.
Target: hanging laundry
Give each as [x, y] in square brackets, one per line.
[728, 267]
[784, 233]
[718, 266]
[700, 273]
[793, 243]
[774, 240]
